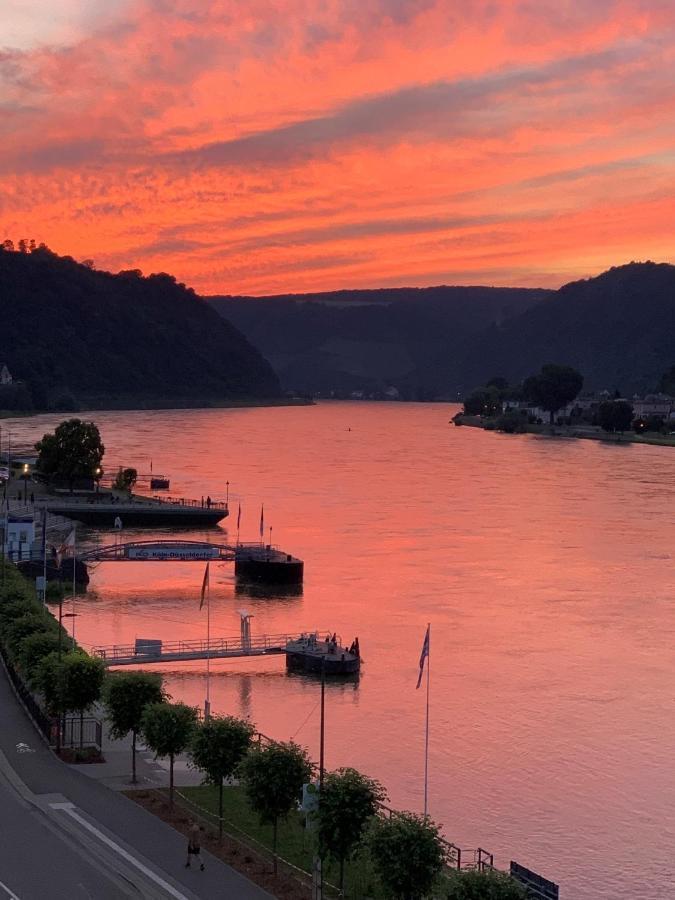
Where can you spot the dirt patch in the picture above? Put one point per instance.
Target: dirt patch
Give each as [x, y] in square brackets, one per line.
[230, 851]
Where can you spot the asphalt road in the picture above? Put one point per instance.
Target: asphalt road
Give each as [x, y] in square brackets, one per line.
[63, 835]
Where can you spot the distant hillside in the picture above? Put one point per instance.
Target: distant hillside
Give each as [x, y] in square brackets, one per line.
[617, 329]
[119, 340]
[369, 340]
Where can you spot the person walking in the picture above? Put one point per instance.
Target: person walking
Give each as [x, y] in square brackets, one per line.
[194, 847]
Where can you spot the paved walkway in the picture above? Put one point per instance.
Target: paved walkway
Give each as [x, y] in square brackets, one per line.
[69, 836]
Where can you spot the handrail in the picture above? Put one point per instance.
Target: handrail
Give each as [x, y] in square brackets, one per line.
[232, 644]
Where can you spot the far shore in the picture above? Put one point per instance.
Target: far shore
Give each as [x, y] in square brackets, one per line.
[571, 431]
[139, 404]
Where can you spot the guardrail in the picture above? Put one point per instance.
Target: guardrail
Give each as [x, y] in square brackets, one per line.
[223, 645]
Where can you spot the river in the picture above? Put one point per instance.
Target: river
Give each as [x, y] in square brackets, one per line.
[545, 567]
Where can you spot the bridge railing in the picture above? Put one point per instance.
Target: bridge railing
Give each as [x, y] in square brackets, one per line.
[222, 645]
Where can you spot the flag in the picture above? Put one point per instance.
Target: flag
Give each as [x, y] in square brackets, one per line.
[424, 655]
[205, 585]
[239, 517]
[118, 523]
[262, 521]
[68, 542]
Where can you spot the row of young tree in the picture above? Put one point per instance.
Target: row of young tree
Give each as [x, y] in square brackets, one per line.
[407, 851]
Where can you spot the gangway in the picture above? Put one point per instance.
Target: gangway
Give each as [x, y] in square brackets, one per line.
[309, 651]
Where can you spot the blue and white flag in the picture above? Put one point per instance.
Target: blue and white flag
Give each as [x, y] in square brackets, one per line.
[424, 655]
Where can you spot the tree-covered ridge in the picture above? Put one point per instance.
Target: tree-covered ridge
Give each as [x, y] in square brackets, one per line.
[75, 335]
[618, 329]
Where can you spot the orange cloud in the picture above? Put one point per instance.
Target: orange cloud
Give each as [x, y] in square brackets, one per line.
[382, 142]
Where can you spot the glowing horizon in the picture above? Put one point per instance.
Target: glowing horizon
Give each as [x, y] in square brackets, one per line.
[372, 144]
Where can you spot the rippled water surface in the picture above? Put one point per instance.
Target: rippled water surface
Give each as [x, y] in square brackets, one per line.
[545, 567]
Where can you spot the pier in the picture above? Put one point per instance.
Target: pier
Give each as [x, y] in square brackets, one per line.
[307, 652]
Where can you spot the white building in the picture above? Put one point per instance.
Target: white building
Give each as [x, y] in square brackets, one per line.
[18, 537]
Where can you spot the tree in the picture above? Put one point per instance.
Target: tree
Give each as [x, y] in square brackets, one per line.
[125, 480]
[218, 746]
[615, 415]
[82, 683]
[33, 649]
[168, 729]
[487, 885]
[483, 402]
[126, 697]
[407, 853]
[347, 802]
[553, 388]
[273, 777]
[74, 451]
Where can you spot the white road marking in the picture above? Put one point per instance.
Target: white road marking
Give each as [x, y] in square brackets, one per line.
[69, 808]
[24, 748]
[10, 894]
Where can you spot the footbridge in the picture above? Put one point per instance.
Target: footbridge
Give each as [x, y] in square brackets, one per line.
[160, 551]
[256, 562]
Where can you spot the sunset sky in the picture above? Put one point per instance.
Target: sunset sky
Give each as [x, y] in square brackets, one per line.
[257, 147]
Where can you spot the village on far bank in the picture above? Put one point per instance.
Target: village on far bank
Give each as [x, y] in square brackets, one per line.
[553, 402]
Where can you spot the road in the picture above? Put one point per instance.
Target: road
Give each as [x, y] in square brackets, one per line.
[67, 836]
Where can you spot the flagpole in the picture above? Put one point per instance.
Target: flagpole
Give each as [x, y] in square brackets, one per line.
[207, 704]
[426, 735]
[74, 558]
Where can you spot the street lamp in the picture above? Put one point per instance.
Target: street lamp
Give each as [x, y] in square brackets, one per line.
[97, 477]
[25, 476]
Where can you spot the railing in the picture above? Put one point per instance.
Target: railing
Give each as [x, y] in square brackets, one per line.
[42, 721]
[218, 645]
[86, 732]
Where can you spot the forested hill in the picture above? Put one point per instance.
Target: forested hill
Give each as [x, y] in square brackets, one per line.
[618, 329]
[72, 332]
[372, 339]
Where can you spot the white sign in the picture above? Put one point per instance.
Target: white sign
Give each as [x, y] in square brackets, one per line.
[177, 553]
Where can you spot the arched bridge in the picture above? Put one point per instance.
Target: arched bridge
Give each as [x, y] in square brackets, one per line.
[160, 551]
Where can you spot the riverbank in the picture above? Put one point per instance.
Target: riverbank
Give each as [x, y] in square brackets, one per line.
[139, 403]
[589, 432]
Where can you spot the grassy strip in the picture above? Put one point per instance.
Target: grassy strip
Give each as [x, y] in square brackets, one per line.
[295, 843]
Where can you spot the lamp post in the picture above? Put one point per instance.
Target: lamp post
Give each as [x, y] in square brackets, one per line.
[25, 476]
[227, 494]
[97, 477]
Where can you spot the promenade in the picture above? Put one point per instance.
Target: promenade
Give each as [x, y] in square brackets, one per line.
[67, 836]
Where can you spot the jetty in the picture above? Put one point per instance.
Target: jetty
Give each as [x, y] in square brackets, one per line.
[139, 511]
[309, 651]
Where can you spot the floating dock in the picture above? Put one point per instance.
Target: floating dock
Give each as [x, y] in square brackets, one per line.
[257, 562]
[140, 513]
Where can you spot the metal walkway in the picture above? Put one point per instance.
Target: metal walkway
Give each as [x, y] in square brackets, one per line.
[145, 652]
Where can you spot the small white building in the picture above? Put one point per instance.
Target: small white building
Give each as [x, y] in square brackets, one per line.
[5, 375]
[19, 537]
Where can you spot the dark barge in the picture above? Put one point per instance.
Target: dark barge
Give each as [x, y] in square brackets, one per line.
[310, 654]
[257, 562]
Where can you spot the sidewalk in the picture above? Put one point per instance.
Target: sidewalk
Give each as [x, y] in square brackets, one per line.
[115, 772]
[120, 837]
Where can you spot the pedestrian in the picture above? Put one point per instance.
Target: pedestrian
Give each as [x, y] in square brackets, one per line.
[202, 501]
[208, 503]
[194, 846]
